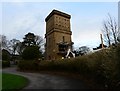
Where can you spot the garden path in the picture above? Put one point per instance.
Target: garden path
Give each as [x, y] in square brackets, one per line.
[47, 81]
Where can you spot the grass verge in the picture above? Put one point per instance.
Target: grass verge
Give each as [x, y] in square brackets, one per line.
[13, 82]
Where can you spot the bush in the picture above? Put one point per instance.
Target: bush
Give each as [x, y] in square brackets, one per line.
[26, 65]
[5, 64]
[5, 55]
[106, 69]
[31, 52]
[5, 58]
[103, 66]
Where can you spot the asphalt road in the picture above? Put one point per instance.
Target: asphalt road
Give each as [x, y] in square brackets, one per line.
[47, 81]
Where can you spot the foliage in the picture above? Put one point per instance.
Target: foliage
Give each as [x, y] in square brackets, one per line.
[27, 65]
[103, 66]
[76, 52]
[13, 82]
[31, 52]
[5, 58]
[13, 48]
[32, 39]
[14, 45]
[81, 51]
[84, 49]
[10, 45]
[4, 42]
[29, 39]
[5, 64]
[5, 55]
[20, 48]
[39, 41]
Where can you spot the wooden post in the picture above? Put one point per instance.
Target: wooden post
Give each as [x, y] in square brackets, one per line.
[101, 40]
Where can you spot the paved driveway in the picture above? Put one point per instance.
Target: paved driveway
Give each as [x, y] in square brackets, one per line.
[46, 81]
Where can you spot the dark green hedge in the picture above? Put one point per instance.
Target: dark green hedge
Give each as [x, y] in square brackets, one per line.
[103, 66]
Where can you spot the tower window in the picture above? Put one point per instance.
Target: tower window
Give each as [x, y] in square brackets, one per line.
[63, 38]
[63, 48]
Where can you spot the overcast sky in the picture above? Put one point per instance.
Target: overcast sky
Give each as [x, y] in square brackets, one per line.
[19, 18]
[119, 14]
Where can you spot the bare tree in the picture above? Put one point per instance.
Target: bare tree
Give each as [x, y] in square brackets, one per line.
[39, 40]
[4, 42]
[113, 27]
[110, 30]
[106, 33]
[20, 48]
[13, 45]
[9, 45]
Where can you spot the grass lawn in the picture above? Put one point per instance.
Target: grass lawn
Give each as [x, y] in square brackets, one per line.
[11, 81]
[0, 81]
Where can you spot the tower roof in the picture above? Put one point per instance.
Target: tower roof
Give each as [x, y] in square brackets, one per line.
[58, 13]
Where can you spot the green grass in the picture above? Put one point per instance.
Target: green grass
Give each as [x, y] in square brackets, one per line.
[0, 81]
[13, 82]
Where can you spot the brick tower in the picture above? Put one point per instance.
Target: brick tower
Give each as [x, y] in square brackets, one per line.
[58, 35]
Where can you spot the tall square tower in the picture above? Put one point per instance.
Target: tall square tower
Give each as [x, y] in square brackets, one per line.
[58, 35]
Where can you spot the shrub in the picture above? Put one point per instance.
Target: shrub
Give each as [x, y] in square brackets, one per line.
[31, 52]
[103, 66]
[5, 64]
[106, 68]
[5, 58]
[5, 55]
[26, 65]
